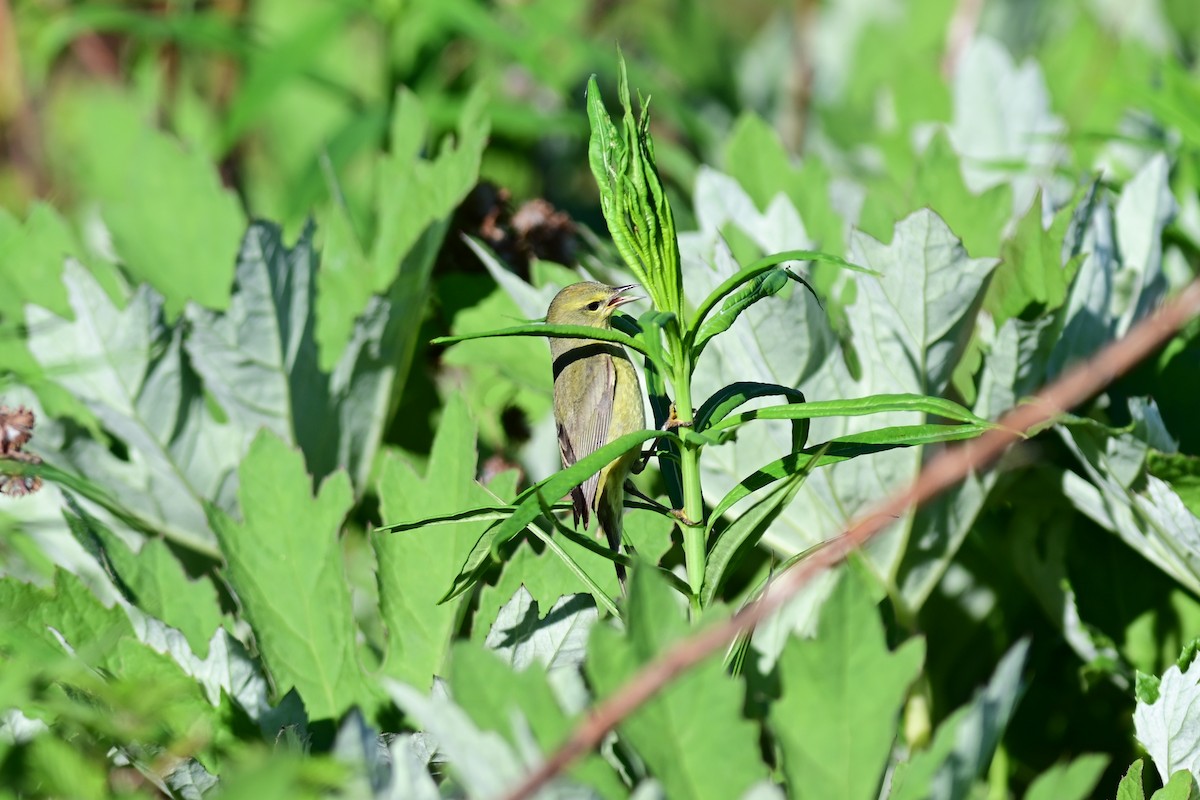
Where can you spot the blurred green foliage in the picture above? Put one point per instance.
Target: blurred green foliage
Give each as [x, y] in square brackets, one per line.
[229, 230]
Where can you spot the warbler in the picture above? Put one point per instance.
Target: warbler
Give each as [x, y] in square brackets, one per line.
[597, 398]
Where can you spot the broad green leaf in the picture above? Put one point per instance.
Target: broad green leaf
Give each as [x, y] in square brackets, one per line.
[964, 742]
[190, 780]
[484, 763]
[1149, 517]
[285, 563]
[271, 68]
[692, 735]
[1120, 279]
[1002, 116]
[259, 358]
[1168, 727]
[409, 773]
[414, 199]
[416, 566]
[494, 693]
[1074, 781]
[130, 370]
[522, 636]
[919, 315]
[1182, 474]
[933, 179]
[755, 157]
[1130, 787]
[838, 711]
[154, 581]
[1182, 786]
[155, 688]
[32, 257]
[63, 770]
[502, 376]
[173, 224]
[1032, 270]
[31, 261]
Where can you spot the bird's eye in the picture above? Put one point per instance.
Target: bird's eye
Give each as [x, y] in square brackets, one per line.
[594, 305]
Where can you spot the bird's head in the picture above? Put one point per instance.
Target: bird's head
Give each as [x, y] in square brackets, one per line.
[588, 303]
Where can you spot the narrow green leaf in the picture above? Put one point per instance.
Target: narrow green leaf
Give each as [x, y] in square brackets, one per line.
[768, 284]
[844, 448]
[692, 736]
[722, 403]
[559, 331]
[855, 407]
[765, 264]
[483, 514]
[285, 563]
[746, 531]
[529, 506]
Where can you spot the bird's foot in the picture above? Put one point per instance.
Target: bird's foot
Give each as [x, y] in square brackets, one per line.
[678, 514]
[673, 421]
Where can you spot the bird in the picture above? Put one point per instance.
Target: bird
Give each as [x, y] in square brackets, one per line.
[597, 398]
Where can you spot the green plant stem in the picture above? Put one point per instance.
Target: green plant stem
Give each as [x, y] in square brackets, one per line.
[694, 544]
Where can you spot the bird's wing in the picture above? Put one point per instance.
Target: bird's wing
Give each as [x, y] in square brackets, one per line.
[583, 422]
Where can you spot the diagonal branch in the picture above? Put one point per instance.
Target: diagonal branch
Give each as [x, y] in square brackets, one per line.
[942, 472]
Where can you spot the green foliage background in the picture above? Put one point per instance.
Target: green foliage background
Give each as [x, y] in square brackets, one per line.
[230, 231]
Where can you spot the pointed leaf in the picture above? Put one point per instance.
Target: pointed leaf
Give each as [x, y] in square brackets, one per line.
[1169, 727]
[842, 693]
[692, 735]
[416, 566]
[285, 563]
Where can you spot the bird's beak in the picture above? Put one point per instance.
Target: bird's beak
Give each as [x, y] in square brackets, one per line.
[619, 298]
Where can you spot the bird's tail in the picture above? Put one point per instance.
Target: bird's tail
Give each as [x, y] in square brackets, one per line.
[610, 515]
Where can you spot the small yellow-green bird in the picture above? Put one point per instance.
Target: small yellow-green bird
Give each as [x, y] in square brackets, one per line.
[597, 398]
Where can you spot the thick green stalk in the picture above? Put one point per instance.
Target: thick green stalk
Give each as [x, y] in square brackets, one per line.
[694, 544]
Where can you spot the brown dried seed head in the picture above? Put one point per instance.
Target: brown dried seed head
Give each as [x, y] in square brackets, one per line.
[16, 428]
